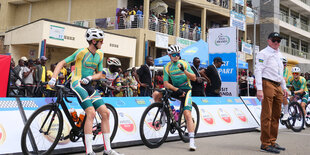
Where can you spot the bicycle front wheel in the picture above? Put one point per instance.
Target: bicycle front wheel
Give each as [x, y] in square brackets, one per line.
[44, 127]
[183, 125]
[296, 119]
[154, 125]
[307, 118]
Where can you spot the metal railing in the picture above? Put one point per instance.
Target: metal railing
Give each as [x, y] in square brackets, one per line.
[295, 52]
[306, 2]
[295, 22]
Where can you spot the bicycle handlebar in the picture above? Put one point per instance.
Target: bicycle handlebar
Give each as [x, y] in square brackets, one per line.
[65, 91]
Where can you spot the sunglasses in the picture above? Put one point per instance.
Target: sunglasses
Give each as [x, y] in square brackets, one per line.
[276, 40]
[295, 73]
[99, 40]
[175, 54]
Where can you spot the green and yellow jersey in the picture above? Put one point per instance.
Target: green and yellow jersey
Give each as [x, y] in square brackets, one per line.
[300, 84]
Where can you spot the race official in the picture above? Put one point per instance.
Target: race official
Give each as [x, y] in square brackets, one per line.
[270, 90]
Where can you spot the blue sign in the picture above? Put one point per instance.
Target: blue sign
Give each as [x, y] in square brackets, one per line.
[237, 20]
[228, 70]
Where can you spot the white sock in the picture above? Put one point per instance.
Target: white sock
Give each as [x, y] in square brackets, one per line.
[106, 141]
[89, 143]
[191, 137]
[285, 109]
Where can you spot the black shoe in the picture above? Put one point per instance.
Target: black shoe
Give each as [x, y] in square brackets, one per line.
[277, 146]
[269, 149]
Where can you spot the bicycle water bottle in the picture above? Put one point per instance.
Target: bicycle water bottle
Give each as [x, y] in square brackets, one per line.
[176, 115]
[73, 114]
[81, 118]
[173, 111]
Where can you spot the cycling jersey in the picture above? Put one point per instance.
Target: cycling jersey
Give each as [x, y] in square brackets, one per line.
[285, 73]
[300, 84]
[86, 64]
[112, 78]
[180, 80]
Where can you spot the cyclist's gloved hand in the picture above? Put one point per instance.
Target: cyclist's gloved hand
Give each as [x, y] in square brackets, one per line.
[181, 67]
[86, 80]
[179, 92]
[52, 82]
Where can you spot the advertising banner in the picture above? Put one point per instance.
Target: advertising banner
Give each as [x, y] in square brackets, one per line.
[184, 42]
[246, 48]
[237, 20]
[222, 40]
[57, 32]
[161, 40]
[228, 70]
[228, 89]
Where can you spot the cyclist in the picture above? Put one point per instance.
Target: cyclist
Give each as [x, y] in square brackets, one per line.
[88, 67]
[300, 87]
[111, 76]
[180, 74]
[285, 103]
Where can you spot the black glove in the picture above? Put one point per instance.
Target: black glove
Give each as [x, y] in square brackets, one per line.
[182, 67]
[179, 92]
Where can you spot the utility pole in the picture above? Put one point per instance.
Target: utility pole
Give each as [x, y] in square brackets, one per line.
[254, 39]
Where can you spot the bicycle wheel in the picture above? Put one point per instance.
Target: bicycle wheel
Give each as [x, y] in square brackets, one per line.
[307, 118]
[45, 125]
[297, 118]
[154, 125]
[183, 125]
[98, 137]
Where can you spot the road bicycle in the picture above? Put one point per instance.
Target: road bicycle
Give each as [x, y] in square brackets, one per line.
[47, 122]
[158, 119]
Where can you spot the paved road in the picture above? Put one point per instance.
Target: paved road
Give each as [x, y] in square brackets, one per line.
[233, 144]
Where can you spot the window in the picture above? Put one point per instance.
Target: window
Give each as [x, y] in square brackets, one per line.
[295, 18]
[304, 21]
[284, 41]
[284, 13]
[304, 46]
[295, 43]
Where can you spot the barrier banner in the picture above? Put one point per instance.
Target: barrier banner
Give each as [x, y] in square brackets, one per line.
[5, 61]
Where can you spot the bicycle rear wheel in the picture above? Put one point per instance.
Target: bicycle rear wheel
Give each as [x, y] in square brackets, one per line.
[154, 125]
[45, 125]
[296, 119]
[307, 118]
[183, 125]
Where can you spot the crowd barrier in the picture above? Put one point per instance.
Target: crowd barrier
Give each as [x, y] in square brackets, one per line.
[218, 115]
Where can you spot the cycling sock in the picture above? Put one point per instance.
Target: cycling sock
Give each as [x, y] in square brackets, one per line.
[191, 137]
[106, 140]
[88, 143]
[285, 109]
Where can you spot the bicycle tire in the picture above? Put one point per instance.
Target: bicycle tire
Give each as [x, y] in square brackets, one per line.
[182, 123]
[100, 147]
[39, 113]
[296, 119]
[147, 122]
[307, 118]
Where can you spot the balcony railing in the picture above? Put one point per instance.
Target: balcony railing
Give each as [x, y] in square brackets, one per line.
[306, 2]
[295, 52]
[295, 22]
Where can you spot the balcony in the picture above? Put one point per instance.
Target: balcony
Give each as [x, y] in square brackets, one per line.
[295, 52]
[295, 22]
[306, 2]
[297, 5]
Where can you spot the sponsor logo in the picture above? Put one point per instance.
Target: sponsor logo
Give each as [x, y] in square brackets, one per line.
[238, 100]
[120, 103]
[240, 115]
[2, 134]
[204, 100]
[224, 115]
[207, 117]
[192, 50]
[222, 40]
[140, 101]
[126, 123]
[229, 100]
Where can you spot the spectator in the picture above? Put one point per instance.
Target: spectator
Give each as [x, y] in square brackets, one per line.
[50, 92]
[198, 85]
[17, 70]
[40, 74]
[27, 72]
[170, 25]
[252, 87]
[159, 81]
[144, 77]
[213, 87]
[243, 84]
[134, 84]
[139, 14]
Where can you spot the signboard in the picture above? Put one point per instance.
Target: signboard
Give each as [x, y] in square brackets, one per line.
[237, 20]
[240, 2]
[246, 48]
[161, 40]
[222, 40]
[184, 42]
[57, 32]
[249, 12]
[229, 89]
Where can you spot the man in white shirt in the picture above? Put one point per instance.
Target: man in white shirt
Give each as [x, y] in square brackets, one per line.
[270, 90]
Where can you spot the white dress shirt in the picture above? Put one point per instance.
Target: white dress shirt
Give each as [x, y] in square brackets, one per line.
[269, 65]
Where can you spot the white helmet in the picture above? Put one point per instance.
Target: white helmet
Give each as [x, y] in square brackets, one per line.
[113, 61]
[174, 49]
[284, 60]
[93, 33]
[295, 70]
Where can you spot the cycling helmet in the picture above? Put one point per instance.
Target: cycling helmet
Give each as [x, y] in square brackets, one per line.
[295, 70]
[113, 61]
[284, 60]
[174, 49]
[93, 33]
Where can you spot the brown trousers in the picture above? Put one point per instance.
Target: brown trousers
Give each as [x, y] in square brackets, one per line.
[271, 111]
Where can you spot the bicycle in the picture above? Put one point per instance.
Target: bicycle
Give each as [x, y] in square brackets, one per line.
[157, 120]
[48, 122]
[307, 118]
[296, 117]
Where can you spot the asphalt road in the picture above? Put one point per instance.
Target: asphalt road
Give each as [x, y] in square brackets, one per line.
[296, 143]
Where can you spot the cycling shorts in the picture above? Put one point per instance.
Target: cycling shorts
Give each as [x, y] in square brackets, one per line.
[87, 95]
[304, 97]
[185, 101]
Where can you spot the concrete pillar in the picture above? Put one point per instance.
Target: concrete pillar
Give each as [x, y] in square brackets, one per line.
[230, 8]
[203, 23]
[269, 14]
[177, 17]
[146, 13]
